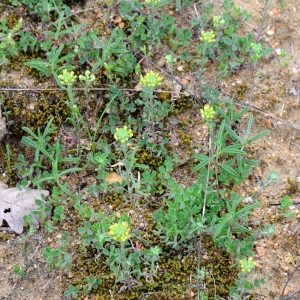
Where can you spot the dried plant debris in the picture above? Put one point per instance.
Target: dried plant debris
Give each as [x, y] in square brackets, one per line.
[15, 204]
[2, 126]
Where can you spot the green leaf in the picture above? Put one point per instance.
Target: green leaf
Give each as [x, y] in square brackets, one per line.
[200, 165]
[239, 115]
[97, 65]
[227, 40]
[247, 209]
[164, 2]
[97, 41]
[229, 170]
[240, 228]
[30, 143]
[260, 135]
[220, 227]
[235, 38]
[286, 202]
[40, 66]
[178, 5]
[232, 133]
[233, 149]
[250, 162]
[266, 52]
[220, 133]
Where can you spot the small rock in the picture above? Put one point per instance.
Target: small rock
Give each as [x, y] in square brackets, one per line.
[284, 268]
[248, 200]
[161, 62]
[121, 25]
[270, 32]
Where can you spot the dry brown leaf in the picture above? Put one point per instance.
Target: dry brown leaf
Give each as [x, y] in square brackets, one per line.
[113, 177]
[269, 124]
[260, 250]
[2, 126]
[15, 204]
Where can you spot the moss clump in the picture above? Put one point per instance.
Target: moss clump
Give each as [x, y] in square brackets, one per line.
[292, 188]
[146, 158]
[240, 90]
[34, 111]
[181, 104]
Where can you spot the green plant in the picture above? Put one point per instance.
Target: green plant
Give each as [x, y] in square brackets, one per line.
[125, 261]
[285, 205]
[243, 286]
[43, 9]
[8, 157]
[154, 111]
[59, 258]
[8, 45]
[282, 54]
[92, 283]
[52, 66]
[47, 159]
[282, 5]
[19, 271]
[183, 214]
[110, 47]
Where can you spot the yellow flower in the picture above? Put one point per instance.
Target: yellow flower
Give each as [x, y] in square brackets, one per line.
[207, 112]
[151, 80]
[123, 134]
[67, 78]
[119, 232]
[207, 37]
[152, 1]
[247, 265]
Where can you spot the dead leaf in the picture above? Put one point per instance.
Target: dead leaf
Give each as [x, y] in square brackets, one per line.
[2, 126]
[118, 164]
[15, 204]
[260, 251]
[269, 124]
[138, 88]
[113, 177]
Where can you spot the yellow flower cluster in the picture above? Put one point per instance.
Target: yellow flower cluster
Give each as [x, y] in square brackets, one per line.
[247, 265]
[207, 112]
[151, 80]
[123, 134]
[119, 232]
[207, 37]
[152, 1]
[67, 78]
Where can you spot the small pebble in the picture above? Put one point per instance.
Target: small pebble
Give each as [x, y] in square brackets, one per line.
[278, 51]
[161, 62]
[270, 32]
